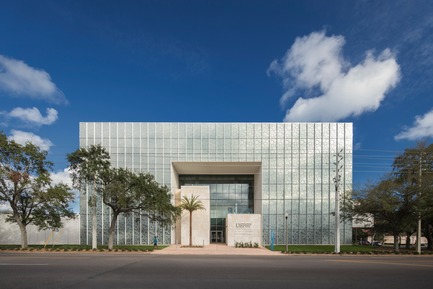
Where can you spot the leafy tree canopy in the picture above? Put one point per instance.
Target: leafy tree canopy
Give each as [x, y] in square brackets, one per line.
[87, 165]
[123, 190]
[25, 185]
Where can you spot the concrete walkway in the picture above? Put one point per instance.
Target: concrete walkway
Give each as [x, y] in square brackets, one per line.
[215, 249]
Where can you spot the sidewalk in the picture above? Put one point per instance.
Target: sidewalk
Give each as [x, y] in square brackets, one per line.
[215, 249]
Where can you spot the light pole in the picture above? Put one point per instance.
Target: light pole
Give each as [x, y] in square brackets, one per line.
[337, 221]
[337, 182]
[285, 232]
[418, 227]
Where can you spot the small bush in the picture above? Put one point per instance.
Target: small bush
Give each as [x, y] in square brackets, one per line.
[246, 244]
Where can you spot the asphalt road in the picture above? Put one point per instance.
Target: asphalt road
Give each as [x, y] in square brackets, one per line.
[105, 271]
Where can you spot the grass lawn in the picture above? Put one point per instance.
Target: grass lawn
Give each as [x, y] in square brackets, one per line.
[120, 248]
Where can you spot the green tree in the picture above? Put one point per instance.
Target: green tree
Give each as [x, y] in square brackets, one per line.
[25, 185]
[191, 204]
[414, 170]
[126, 192]
[428, 231]
[388, 203]
[87, 165]
[402, 199]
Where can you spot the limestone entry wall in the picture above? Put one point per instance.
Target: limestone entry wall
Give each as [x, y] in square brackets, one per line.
[200, 219]
[244, 228]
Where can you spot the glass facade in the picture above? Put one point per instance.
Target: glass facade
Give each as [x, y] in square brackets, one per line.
[297, 170]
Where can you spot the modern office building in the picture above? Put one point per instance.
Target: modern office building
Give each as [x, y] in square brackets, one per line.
[259, 178]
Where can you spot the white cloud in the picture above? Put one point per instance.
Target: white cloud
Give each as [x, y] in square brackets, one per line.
[422, 128]
[61, 177]
[17, 78]
[5, 208]
[23, 137]
[315, 66]
[357, 146]
[32, 115]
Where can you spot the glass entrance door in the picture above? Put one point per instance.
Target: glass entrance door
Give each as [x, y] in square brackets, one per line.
[217, 237]
[217, 230]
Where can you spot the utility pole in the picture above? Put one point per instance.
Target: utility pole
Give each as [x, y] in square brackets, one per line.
[337, 183]
[94, 218]
[285, 232]
[418, 227]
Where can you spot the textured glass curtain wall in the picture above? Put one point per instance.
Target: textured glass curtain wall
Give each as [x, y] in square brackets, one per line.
[298, 167]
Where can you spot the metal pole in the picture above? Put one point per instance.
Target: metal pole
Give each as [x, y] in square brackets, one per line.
[94, 220]
[418, 228]
[337, 221]
[337, 180]
[285, 233]
[418, 235]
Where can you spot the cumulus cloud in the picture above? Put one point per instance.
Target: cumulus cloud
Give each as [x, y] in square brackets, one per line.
[33, 115]
[61, 177]
[5, 208]
[19, 79]
[23, 137]
[422, 127]
[333, 89]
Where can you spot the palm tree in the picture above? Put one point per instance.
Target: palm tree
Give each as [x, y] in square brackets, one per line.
[191, 204]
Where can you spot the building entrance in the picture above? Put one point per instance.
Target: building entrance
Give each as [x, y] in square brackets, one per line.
[217, 236]
[217, 230]
[229, 194]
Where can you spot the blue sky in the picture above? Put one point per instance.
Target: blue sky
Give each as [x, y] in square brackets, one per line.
[366, 62]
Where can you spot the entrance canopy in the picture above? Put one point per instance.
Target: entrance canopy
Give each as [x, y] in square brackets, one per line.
[232, 187]
[217, 168]
[220, 168]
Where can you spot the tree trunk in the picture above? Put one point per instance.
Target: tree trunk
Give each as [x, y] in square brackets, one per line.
[94, 220]
[408, 235]
[94, 229]
[190, 229]
[428, 235]
[23, 229]
[111, 231]
[396, 243]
